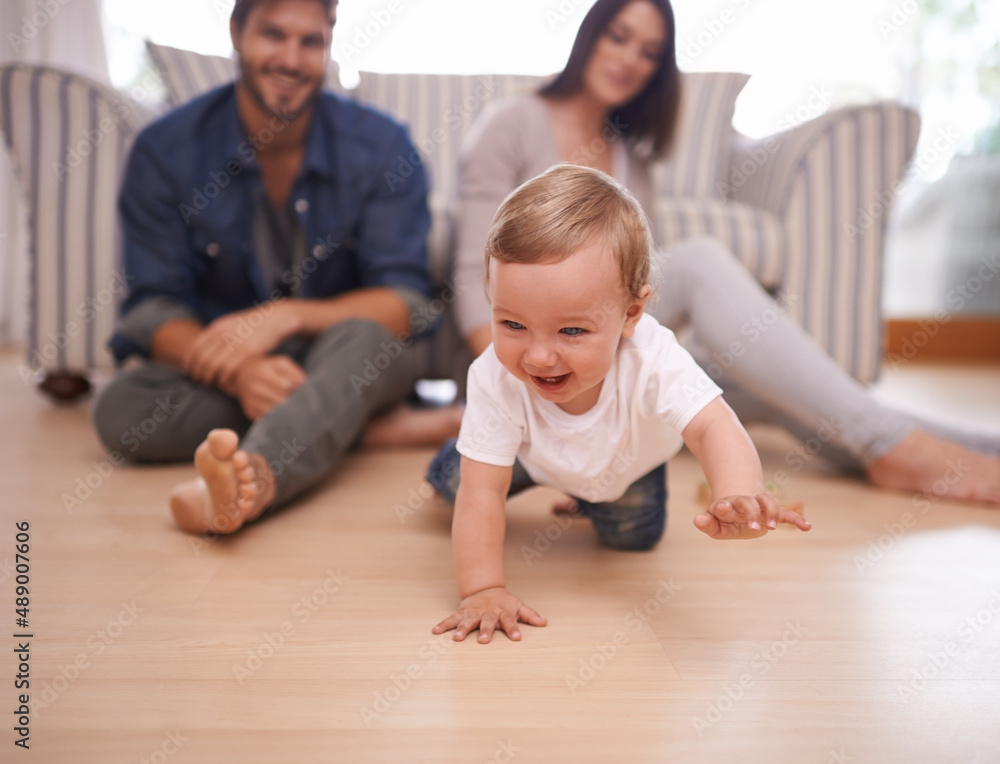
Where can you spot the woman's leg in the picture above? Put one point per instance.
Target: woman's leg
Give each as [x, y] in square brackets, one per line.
[743, 337]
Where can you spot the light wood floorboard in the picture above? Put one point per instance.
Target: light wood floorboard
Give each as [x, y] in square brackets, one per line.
[306, 638]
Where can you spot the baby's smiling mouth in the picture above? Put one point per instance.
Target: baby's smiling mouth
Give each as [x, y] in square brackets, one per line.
[550, 382]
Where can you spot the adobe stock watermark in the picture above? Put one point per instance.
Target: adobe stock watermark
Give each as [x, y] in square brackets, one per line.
[545, 539]
[417, 498]
[87, 141]
[505, 752]
[289, 453]
[219, 180]
[6, 569]
[398, 684]
[249, 320]
[369, 29]
[877, 548]
[611, 131]
[760, 153]
[453, 118]
[800, 455]
[591, 491]
[420, 320]
[565, 10]
[956, 300]
[753, 329]
[32, 24]
[803, 453]
[594, 487]
[293, 278]
[842, 755]
[302, 611]
[632, 623]
[86, 313]
[878, 208]
[691, 49]
[815, 104]
[937, 661]
[172, 743]
[101, 471]
[97, 644]
[224, 9]
[900, 16]
[760, 666]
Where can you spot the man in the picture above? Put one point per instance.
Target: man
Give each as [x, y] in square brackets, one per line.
[270, 264]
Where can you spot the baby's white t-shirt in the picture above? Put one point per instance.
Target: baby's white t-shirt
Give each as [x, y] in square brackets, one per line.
[653, 390]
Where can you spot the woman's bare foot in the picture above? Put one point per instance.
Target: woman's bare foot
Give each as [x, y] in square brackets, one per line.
[407, 426]
[931, 465]
[234, 487]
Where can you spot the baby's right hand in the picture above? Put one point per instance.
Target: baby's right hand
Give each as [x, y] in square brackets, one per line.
[487, 610]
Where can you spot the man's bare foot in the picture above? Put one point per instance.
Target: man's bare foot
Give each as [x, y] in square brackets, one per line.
[407, 426]
[567, 506]
[931, 465]
[234, 487]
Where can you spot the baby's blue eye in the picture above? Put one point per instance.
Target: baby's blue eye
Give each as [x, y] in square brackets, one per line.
[514, 325]
[574, 331]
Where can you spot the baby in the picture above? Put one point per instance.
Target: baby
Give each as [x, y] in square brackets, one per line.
[583, 392]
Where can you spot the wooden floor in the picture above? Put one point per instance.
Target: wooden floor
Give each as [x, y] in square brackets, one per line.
[874, 638]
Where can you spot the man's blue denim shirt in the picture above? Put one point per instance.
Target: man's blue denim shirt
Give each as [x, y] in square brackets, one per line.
[193, 186]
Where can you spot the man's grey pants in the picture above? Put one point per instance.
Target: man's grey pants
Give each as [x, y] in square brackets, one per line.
[154, 413]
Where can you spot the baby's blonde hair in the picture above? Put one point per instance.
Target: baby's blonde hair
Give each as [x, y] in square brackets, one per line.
[550, 217]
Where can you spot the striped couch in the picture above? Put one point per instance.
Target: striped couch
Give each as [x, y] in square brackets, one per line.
[791, 206]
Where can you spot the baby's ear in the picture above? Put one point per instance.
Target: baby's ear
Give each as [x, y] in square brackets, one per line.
[635, 309]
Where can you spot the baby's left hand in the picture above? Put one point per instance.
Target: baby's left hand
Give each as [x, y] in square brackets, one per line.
[746, 517]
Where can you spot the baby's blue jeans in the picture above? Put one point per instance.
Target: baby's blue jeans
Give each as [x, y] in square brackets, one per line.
[634, 522]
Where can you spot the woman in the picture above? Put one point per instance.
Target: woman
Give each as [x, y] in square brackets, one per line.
[622, 71]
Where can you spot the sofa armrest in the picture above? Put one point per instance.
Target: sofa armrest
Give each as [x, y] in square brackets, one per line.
[762, 172]
[832, 182]
[69, 138]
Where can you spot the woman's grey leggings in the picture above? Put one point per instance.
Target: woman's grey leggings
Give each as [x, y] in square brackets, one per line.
[768, 367]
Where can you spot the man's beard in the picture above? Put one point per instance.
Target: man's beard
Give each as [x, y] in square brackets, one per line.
[250, 83]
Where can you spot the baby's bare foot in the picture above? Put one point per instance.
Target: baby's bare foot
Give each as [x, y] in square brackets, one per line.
[234, 487]
[931, 465]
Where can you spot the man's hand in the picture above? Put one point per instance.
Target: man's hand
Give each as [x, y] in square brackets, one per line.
[263, 383]
[746, 517]
[487, 610]
[217, 354]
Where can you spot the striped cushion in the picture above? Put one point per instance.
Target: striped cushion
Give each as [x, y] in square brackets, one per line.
[704, 138]
[69, 138]
[439, 110]
[756, 237]
[187, 74]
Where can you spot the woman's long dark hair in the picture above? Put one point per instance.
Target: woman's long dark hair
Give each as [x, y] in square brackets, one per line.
[650, 118]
